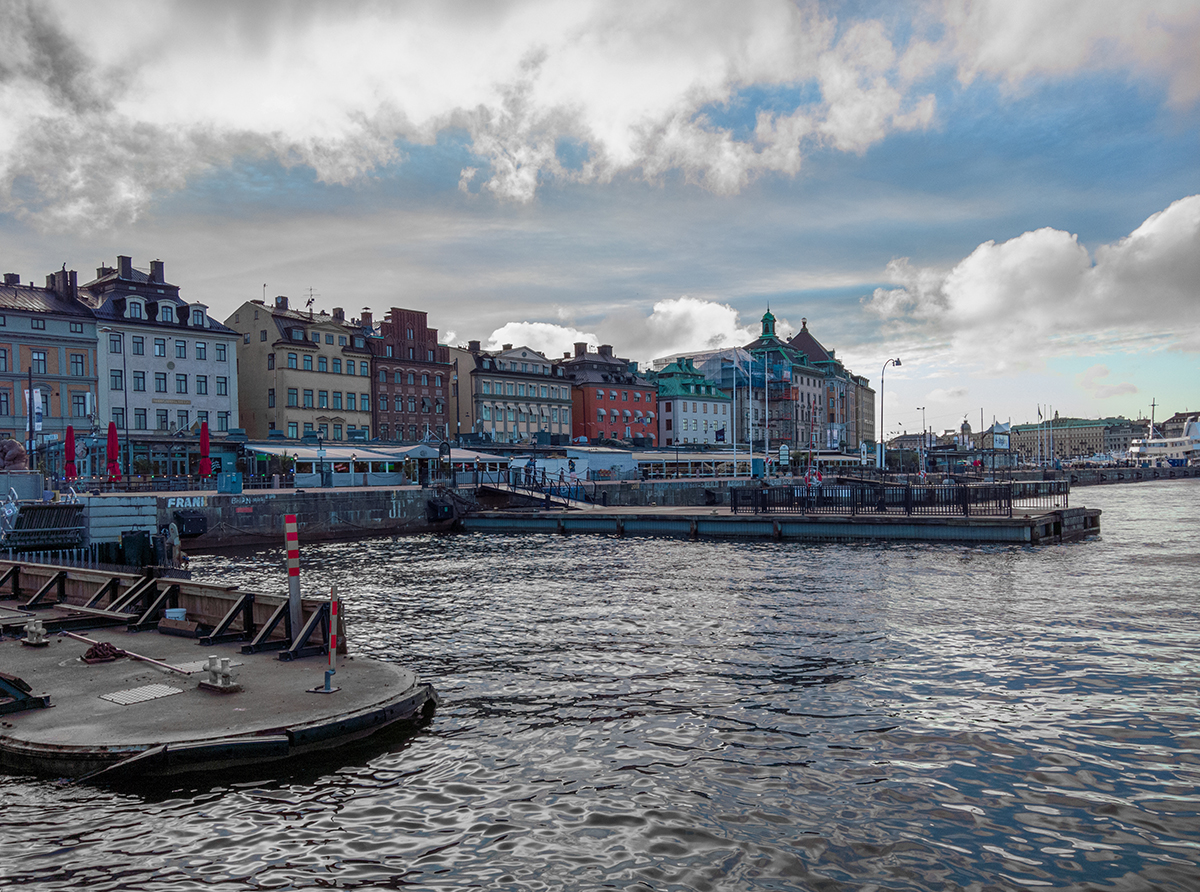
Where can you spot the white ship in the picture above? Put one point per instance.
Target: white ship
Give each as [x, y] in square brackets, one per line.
[1156, 452]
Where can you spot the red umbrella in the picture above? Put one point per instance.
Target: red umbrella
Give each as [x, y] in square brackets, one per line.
[114, 466]
[69, 471]
[205, 461]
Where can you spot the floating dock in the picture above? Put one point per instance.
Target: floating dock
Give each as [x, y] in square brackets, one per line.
[1037, 527]
[225, 686]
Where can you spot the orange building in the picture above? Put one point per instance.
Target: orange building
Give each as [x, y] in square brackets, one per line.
[610, 400]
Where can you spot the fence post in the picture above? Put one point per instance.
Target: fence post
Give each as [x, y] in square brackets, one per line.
[908, 499]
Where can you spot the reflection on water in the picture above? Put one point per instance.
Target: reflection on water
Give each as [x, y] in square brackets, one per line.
[659, 714]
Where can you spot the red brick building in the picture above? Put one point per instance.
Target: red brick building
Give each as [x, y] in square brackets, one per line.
[610, 400]
[411, 379]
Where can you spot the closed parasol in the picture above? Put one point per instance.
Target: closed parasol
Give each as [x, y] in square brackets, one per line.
[114, 465]
[205, 461]
[69, 471]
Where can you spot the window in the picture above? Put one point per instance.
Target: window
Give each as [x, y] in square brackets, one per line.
[262, 334]
[337, 431]
[424, 380]
[76, 328]
[118, 417]
[297, 334]
[599, 394]
[292, 363]
[202, 349]
[383, 376]
[293, 397]
[79, 405]
[139, 419]
[160, 346]
[364, 369]
[521, 390]
[37, 324]
[341, 340]
[181, 349]
[308, 399]
[412, 404]
[5, 408]
[293, 430]
[383, 402]
[322, 364]
[437, 407]
[358, 342]
[201, 417]
[637, 396]
[307, 363]
[181, 384]
[167, 313]
[182, 418]
[625, 396]
[198, 318]
[270, 397]
[337, 399]
[202, 385]
[387, 352]
[323, 429]
[429, 358]
[139, 381]
[222, 421]
[270, 359]
[351, 402]
[349, 366]
[308, 428]
[410, 378]
[222, 385]
[114, 343]
[437, 381]
[328, 339]
[322, 399]
[544, 390]
[221, 353]
[38, 361]
[77, 365]
[487, 387]
[160, 382]
[139, 345]
[337, 366]
[160, 419]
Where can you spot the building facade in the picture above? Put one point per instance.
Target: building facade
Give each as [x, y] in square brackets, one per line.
[413, 379]
[164, 365]
[48, 333]
[610, 400]
[692, 410]
[845, 413]
[303, 372]
[511, 395]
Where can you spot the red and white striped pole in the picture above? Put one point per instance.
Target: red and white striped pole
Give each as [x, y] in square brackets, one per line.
[334, 607]
[292, 541]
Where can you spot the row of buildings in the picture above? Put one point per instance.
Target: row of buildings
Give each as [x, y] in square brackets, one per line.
[127, 347]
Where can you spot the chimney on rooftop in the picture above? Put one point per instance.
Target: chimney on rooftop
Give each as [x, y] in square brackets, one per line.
[156, 271]
[581, 348]
[366, 318]
[124, 267]
[605, 350]
[473, 346]
[566, 356]
[506, 347]
[339, 315]
[281, 302]
[12, 278]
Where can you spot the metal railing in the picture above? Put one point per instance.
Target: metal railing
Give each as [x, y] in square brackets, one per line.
[941, 500]
[551, 487]
[173, 483]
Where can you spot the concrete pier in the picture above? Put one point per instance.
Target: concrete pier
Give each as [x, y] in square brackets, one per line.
[162, 715]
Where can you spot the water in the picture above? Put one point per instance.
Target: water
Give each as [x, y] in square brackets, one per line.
[658, 714]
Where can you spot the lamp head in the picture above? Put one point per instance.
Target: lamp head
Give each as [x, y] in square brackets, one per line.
[897, 361]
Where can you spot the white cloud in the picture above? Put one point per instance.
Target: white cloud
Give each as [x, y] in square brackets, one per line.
[1018, 39]
[1040, 294]
[107, 104]
[545, 337]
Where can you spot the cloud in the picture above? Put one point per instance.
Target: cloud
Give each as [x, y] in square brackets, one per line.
[1090, 380]
[108, 104]
[675, 325]
[1041, 294]
[946, 394]
[545, 337]
[1019, 39]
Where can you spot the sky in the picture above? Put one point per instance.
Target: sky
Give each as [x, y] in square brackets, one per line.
[1003, 194]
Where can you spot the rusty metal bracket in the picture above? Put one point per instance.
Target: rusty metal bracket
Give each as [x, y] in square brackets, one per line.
[16, 695]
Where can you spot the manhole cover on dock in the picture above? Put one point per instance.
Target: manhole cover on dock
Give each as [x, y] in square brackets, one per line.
[141, 695]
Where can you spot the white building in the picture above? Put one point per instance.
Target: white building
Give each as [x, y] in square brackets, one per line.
[163, 364]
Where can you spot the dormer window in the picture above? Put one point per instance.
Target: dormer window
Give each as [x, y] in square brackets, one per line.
[134, 310]
[166, 313]
[198, 318]
[297, 334]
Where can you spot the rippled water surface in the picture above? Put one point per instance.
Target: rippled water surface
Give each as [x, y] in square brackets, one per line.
[660, 714]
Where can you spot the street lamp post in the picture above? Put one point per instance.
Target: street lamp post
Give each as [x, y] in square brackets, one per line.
[125, 390]
[924, 440]
[882, 432]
